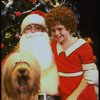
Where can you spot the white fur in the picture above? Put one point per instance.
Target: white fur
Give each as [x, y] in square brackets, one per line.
[49, 80]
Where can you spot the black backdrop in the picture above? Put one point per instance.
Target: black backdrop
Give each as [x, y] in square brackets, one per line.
[89, 22]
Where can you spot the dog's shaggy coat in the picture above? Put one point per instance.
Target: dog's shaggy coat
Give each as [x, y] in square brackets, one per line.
[20, 77]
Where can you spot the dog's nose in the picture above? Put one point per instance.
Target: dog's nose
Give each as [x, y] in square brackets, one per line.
[21, 71]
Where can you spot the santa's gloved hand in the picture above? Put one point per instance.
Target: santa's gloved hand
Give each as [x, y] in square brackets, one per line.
[91, 76]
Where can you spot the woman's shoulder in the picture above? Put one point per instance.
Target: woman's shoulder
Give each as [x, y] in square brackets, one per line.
[86, 47]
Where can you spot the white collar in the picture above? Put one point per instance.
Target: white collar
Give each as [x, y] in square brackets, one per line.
[72, 48]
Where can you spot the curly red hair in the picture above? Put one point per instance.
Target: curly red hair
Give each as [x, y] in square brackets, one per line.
[64, 15]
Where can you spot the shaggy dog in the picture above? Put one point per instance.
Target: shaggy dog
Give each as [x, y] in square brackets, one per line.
[20, 77]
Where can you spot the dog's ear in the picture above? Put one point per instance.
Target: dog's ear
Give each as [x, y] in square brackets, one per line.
[36, 83]
[9, 88]
[7, 69]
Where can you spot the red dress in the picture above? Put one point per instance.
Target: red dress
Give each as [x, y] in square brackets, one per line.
[71, 61]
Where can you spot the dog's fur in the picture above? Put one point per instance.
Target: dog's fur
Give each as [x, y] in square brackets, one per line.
[20, 77]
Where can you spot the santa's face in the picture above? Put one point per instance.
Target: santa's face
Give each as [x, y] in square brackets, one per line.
[39, 45]
[32, 28]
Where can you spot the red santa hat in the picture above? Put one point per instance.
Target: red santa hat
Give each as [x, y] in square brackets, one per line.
[35, 17]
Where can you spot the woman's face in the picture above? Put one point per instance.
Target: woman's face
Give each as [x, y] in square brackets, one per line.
[59, 32]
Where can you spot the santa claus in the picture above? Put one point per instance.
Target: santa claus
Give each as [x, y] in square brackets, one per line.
[35, 40]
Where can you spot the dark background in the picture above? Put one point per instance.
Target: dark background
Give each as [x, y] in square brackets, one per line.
[89, 22]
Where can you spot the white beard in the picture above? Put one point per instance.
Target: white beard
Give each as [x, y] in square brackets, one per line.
[39, 45]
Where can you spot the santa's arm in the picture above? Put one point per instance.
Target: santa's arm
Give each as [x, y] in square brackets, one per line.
[4, 60]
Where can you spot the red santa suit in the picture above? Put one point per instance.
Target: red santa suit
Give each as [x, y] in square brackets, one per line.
[71, 65]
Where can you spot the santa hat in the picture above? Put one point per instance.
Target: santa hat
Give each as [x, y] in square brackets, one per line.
[35, 17]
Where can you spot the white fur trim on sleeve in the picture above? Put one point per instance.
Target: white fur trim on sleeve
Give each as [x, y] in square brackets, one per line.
[90, 66]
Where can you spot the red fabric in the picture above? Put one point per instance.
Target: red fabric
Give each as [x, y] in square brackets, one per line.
[39, 13]
[18, 13]
[4, 60]
[73, 63]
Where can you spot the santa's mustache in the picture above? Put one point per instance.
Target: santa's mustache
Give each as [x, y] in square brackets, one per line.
[35, 34]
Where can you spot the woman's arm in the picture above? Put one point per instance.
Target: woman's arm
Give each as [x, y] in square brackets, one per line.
[92, 76]
[83, 84]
